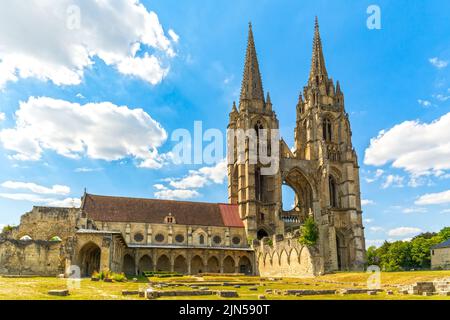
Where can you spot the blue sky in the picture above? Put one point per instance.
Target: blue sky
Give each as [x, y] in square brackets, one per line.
[189, 67]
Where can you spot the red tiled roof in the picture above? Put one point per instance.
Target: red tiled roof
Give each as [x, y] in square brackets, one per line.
[121, 209]
[230, 215]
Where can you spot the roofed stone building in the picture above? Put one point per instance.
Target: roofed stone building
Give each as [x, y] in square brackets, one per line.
[440, 255]
[252, 234]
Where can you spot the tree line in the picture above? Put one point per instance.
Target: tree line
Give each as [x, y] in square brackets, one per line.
[407, 255]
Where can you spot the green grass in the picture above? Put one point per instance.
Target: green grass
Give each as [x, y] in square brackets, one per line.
[37, 288]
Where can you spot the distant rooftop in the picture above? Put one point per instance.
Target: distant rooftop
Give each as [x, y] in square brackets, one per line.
[445, 244]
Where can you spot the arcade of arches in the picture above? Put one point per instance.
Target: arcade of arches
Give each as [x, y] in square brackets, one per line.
[196, 262]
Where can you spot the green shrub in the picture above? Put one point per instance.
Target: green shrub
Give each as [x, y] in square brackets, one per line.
[309, 233]
[119, 277]
[7, 229]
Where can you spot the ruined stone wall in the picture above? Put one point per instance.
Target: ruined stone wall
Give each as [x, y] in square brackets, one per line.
[43, 223]
[30, 257]
[287, 258]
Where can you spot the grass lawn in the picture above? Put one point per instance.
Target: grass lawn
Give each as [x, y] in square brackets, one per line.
[37, 288]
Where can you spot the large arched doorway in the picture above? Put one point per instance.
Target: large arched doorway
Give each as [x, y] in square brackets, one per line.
[129, 266]
[245, 266]
[261, 234]
[228, 265]
[297, 199]
[145, 264]
[213, 265]
[163, 263]
[180, 265]
[89, 259]
[197, 265]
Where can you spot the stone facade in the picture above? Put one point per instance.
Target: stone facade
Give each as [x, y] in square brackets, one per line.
[252, 234]
[440, 256]
[322, 168]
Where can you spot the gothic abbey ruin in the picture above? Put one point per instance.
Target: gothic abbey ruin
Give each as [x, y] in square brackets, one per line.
[252, 234]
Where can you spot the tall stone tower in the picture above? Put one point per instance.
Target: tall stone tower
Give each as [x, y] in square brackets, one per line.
[258, 195]
[323, 136]
[322, 168]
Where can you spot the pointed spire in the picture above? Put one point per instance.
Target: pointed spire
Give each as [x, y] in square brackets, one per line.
[234, 107]
[252, 88]
[268, 100]
[318, 69]
[338, 87]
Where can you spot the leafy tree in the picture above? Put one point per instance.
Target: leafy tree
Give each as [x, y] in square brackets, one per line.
[398, 257]
[425, 235]
[444, 234]
[7, 229]
[309, 232]
[404, 255]
[372, 256]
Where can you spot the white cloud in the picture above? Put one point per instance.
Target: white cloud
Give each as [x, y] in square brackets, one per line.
[175, 37]
[368, 220]
[49, 40]
[441, 97]
[393, 180]
[40, 200]
[438, 63]
[366, 202]
[418, 148]
[199, 178]
[445, 211]
[185, 188]
[168, 194]
[424, 103]
[35, 188]
[2, 116]
[414, 210]
[433, 198]
[403, 231]
[159, 187]
[378, 173]
[374, 242]
[101, 131]
[86, 170]
[376, 229]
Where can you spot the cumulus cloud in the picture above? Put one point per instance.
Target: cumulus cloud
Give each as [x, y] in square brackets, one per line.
[414, 210]
[403, 231]
[101, 131]
[433, 198]
[366, 202]
[87, 170]
[176, 194]
[2, 116]
[175, 37]
[376, 229]
[40, 200]
[393, 180]
[35, 188]
[424, 103]
[186, 187]
[368, 220]
[199, 178]
[438, 63]
[419, 148]
[57, 40]
[374, 242]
